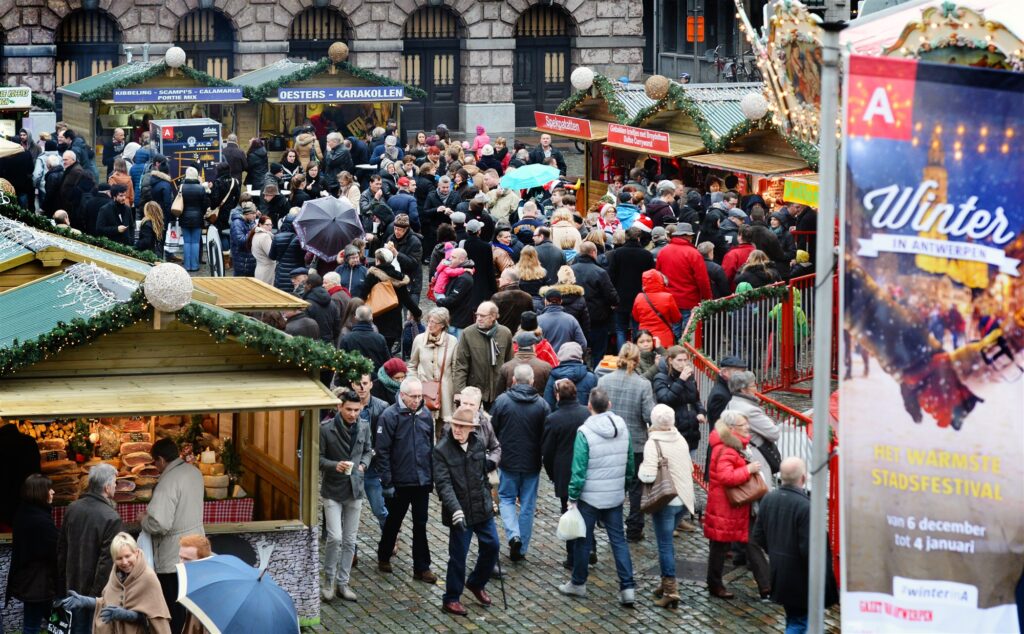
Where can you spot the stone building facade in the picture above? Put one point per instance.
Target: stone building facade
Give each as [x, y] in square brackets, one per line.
[489, 62]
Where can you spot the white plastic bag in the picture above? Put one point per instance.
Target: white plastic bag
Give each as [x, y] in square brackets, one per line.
[145, 543]
[571, 525]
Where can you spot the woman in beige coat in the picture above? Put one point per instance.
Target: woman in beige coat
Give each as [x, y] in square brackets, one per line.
[262, 238]
[306, 146]
[433, 355]
[663, 438]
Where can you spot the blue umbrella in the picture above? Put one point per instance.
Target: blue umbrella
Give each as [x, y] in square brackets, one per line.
[229, 596]
[529, 176]
[326, 225]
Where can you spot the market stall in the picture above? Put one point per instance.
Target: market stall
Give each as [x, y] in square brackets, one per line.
[330, 92]
[95, 375]
[131, 95]
[588, 133]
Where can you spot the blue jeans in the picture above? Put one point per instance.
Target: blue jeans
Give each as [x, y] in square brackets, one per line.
[796, 623]
[193, 237]
[598, 340]
[375, 495]
[459, 541]
[624, 322]
[35, 616]
[665, 522]
[612, 519]
[522, 486]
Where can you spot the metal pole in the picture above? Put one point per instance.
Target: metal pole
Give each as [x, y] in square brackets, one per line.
[696, 60]
[824, 263]
[656, 22]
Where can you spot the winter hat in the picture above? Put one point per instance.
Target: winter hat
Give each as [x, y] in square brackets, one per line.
[644, 222]
[732, 361]
[118, 189]
[465, 145]
[128, 152]
[474, 226]
[802, 257]
[782, 217]
[487, 150]
[480, 129]
[402, 220]
[384, 255]
[693, 198]
[526, 339]
[431, 141]
[528, 321]
[50, 146]
[391, 152]
[570, 351]
[625, 197]
[666, 186]
[384, 162]
[659, 233]
[248, 208]
[276, 167]
[717, 197]
[553, 295]
[390, 141]
[481, 198]
[395, 366]
[743, 287]
[404, 181]
[458, 218]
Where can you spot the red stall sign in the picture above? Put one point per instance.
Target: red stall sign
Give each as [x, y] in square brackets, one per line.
[562, 125]
[639, 139]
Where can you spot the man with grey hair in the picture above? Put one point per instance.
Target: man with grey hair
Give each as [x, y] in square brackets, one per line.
[74, 183]
[662, 210]
[405, 440]
[438, 207]
[235, 157]
[83, 548]
[518, 419]
[112, 149]
[716, 274]
[783, 529]
[337, 160]
[339, 295]
[511, 300]
[483, 347]
[365, 340]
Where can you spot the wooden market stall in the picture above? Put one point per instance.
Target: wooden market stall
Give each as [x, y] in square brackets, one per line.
[284, 94]
[132, 94]
[95, 375]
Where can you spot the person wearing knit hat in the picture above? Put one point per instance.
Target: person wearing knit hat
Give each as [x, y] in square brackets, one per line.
[543, 349]
[570, 351]
[389, 378]
[458, 218]
[479, 141]
[571, 367]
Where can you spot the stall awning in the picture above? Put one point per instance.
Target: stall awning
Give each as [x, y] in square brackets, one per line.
[118, 395]
[598, 132]
[750, 163]
[247, 294]
[679, 145]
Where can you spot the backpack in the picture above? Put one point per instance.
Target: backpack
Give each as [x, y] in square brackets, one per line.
[145, 188]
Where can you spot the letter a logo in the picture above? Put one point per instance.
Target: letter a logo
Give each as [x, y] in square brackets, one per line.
[879, 106]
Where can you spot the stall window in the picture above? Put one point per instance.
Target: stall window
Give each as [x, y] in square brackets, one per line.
[87, 44]
[208, 39]
[314, 30]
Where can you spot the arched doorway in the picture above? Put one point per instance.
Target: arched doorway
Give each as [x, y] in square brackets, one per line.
[208, 39]
[540, 76]
[430, 60]
[87, 43]
[314, 30]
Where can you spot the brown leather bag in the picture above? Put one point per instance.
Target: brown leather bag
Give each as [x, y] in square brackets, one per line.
[656, 495]
[383, 297]
[432, 389]
[749, 492]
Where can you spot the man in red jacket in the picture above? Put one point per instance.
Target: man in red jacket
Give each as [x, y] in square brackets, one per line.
[737, 256]
[684, 267]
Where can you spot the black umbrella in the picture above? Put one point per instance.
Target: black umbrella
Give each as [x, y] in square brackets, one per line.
[326, 225]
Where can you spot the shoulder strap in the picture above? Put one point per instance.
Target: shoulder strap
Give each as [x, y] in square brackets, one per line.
[656, 311]
[444, 356]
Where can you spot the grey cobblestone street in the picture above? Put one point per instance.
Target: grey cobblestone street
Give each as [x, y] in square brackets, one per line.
[396, 603]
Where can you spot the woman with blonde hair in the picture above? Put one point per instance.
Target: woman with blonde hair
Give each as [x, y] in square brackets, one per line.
[349, 189]
[564, 231]
[151, 231]
[532, 275]
[573, 301]
[132, 602]
[119, 176]
[758, 271]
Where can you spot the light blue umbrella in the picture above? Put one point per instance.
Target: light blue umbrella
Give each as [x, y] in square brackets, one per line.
[529, 176]
[229, 596]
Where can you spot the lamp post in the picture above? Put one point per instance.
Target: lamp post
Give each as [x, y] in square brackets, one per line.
[695, 11]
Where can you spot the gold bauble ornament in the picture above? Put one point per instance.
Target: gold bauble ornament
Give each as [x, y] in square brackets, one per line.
[656, 87]
[6, 187]
[338, 52]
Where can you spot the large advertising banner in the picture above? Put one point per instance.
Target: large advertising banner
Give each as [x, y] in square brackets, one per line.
[932, 404]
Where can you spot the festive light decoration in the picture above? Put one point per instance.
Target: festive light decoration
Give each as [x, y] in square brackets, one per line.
[269, 89]
[338, 52]
[175, 57]
[754, 106]
[957, 27]
[168, 287]
[6, 187]
[657, 87]
[582, 78]
[735, 302]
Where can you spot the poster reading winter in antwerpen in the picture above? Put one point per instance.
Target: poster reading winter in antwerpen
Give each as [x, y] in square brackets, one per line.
[932, 405]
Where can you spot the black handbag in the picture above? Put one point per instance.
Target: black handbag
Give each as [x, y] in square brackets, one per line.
[770, 451]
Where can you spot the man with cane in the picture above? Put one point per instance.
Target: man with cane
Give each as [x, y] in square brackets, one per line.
[460, 475]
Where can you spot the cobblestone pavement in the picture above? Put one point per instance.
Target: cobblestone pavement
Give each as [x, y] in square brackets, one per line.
[396, 603]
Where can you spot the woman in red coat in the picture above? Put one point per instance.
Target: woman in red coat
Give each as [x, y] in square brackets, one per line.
[723, 522]
[656, 310]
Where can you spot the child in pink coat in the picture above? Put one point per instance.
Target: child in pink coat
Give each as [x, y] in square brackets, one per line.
[481, 139]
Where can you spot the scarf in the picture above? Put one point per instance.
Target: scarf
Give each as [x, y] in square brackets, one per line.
[139, 591]
[778, 231]
[346, 436]
[493, 346]
[386, 380]
[435, 340]
[505, 248]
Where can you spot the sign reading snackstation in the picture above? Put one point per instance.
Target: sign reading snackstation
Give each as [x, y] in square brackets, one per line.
[177, 95]
[931, 424]
[639, 139]
[340, 95]
[562, 125]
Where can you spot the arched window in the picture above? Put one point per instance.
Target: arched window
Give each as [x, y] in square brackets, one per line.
[208, 39]
[430, 59]
[540, 72]
[314, 30]
[87, 43]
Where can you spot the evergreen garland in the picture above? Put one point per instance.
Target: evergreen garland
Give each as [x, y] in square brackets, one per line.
[711, 307]
[14, 212]
[77, 332]
[268, 89]
[129, 80]
[606, 90]
[307, 353]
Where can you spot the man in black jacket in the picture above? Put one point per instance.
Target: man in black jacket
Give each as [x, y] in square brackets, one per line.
[337, 160]
[783, 530]
[518, 418]
[716, 274]
[601, 298]
[439, 205]
[321, 308]
[94, 205]
[626, 266]
[365, 341]
[460, 473]
[551, 257]
[480, 251]
[112, 149]
[235, 157]
[408, 243]
[405, 433]
[458, 294]
[544, 151]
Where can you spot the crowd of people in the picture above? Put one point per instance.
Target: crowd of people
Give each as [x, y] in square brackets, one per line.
[507, 373]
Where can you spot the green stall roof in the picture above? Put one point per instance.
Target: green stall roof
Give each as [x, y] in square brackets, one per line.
[102, 85]
[262, 82]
